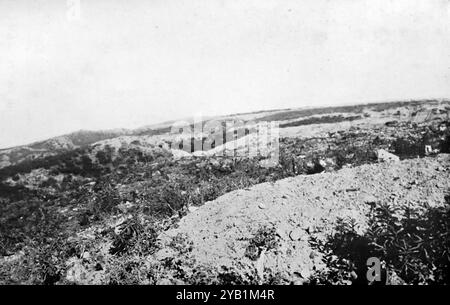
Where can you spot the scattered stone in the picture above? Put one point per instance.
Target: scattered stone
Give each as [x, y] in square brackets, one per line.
[164, 282]
[215, 163]
[305, 273]
[125, 207]
[178, 154]
[323, 163]
[312, 254]
[385, 156]
[296, 234]
[414, 182]
[192, 209]
[369, 199]
[11, 258]
[262, 206]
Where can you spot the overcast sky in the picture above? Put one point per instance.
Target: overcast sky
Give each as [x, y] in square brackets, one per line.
[132, 63]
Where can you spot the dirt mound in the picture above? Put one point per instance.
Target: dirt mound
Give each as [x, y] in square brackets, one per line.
[262, 234]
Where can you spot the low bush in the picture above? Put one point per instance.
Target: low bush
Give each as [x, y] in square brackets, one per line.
[412, 242]
[265, 239]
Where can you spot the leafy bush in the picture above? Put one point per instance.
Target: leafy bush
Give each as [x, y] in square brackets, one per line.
[413, 243]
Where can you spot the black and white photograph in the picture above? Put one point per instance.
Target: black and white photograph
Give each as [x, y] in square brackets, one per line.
[224, 143]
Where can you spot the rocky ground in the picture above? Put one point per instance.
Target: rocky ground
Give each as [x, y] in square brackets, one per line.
[350, 182]
[294, 212]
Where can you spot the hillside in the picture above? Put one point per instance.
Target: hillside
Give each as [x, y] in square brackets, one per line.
[162, 131]
[98, 208]
[272, 232]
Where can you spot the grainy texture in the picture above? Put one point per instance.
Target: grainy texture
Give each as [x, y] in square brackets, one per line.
[304, 207]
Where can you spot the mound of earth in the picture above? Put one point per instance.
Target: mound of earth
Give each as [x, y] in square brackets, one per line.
[264, 232]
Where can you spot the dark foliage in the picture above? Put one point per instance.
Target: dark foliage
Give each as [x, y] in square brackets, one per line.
[265, 239]
[414, 244]
[160, 189]
[321, 120]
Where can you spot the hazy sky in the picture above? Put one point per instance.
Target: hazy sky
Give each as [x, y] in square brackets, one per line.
[132, 63]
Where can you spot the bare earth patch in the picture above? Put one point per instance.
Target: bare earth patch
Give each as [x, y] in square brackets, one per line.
[226, 236]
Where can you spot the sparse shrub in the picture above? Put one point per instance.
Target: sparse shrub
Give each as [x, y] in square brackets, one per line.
[50, 182]
[265, 239]
[234, 276]
[412, 242]
[181, 243]
[408, 147]
[129, 270]
[415, 244]
[163, 187]
[171, 200]
[444, 145]
[134, 236]
[105, 201]
[22, 221]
